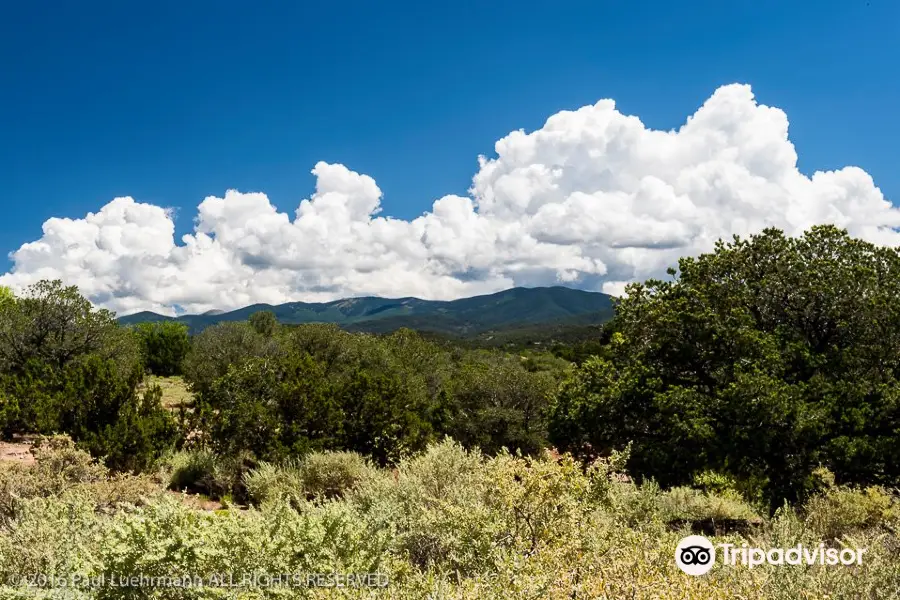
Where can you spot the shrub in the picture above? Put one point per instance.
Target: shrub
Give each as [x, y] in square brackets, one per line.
[264, 322]
[840, 511]
[383, 417]
[271, 408]
[331, 474]
[164, 346]
[59, 462]
[497, 403]
[436, 505]
[636, 505]
[199, 472]
[61, 468]
[605, 472]
[455, 510]
[218, 348]
[322, 475]
[447, 523]
[270, 483]
[689, 504]
[142, 432]
[73, 370]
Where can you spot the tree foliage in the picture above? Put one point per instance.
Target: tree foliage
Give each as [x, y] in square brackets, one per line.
[55, 325]
[68, 368]
[264, 322]
[217, 348]
[496, 402]
[164, 345]
[763, 359]
[315, 387]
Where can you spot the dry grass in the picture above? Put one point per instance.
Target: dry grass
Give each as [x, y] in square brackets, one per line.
[445, 524]
[175, 392]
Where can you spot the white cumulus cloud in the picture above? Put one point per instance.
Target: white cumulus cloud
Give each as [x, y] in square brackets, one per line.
[593, 199]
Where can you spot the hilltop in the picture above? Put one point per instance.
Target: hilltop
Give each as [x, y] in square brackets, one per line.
[510, 309]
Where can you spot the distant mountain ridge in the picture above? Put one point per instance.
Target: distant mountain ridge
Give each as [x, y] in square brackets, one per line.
[514, 307]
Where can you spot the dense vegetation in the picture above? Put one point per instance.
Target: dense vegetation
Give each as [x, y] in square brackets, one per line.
[65, 367]
[164, 345]
[763, 360]
[761, 373]
[445, 523]
[280, 393]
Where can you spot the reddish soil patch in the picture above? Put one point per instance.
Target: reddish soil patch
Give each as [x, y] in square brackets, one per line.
[17, 451]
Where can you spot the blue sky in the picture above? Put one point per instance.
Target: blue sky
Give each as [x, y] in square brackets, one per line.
[172, 101]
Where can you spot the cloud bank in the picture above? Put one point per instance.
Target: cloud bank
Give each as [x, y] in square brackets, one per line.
[593, 199]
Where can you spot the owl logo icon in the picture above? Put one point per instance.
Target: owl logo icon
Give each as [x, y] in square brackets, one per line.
[695, 555]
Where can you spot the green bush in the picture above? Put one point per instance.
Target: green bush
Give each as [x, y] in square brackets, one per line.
[322, 475]
[68, 368]
[59, 461]
[264, 322]
[61, 468]
[269, 483]
[500, 402]
[223, 346]
[383, 417]
[314, 387]
[142, 432]
[59, 465]
[332, 474]
[272, 408]
[689, 504]
[201, 472]
[164, 346]
[54, 325]
[842, 511]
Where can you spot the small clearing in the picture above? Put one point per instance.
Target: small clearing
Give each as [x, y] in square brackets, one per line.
[175, 393]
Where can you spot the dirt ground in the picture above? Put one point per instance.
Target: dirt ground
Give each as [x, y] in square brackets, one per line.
[16, 452]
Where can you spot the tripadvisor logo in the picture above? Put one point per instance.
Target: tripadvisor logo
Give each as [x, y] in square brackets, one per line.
[695, 555]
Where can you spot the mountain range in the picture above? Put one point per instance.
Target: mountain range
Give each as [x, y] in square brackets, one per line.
[510, 309]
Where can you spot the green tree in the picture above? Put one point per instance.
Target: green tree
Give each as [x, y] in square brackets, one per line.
[763, 359]
[272, 408]
[105, 415]
[382, 417]
[218, 348]
[67, 367]
[92, 401]
[164, 345]
[264, 322]
[496, 403]
[55, 325]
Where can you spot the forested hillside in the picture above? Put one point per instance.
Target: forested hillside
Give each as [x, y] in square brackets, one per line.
[507, 310]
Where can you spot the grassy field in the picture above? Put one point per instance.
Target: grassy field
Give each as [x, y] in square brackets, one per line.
[445, 524]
